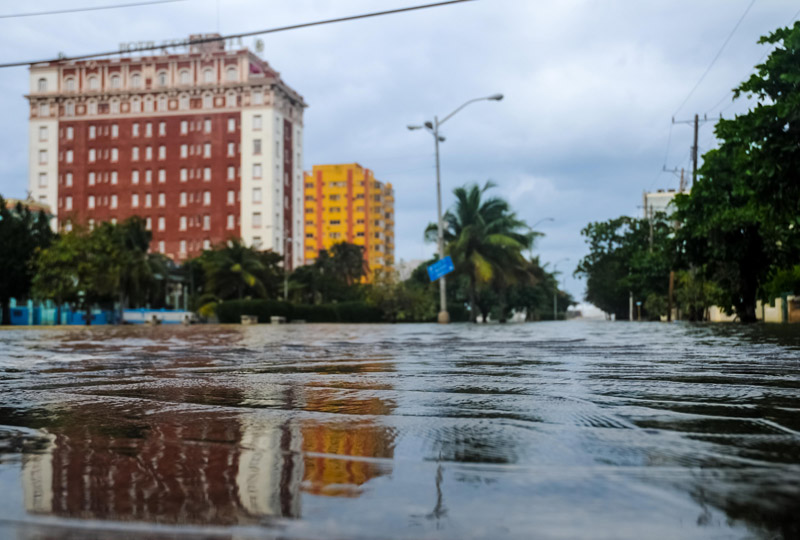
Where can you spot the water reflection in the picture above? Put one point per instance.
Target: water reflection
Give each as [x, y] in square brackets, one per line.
[141, 458]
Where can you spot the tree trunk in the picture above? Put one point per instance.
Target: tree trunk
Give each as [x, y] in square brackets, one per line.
[473, 306]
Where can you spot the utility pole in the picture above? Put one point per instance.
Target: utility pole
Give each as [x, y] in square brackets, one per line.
[671, 292]
[650, 220]
[694, 149]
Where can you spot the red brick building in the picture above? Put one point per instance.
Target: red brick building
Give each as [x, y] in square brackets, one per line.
[205, 145]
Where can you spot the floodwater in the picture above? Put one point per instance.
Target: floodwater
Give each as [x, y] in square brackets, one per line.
[548, 430]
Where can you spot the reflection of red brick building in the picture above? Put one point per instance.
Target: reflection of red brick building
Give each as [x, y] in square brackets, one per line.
[204, 145]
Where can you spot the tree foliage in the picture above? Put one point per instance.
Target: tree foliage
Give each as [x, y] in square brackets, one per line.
[22, 234]
[740, 223]
[621, 262]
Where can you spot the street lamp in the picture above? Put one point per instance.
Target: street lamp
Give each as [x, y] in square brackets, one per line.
[555, 292]
[433, 128]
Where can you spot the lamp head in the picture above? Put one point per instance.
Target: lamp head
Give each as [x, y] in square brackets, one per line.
[496, 97]
[441, 138]
[429, 125]
[412, 128]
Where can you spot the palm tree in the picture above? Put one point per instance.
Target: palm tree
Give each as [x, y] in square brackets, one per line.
[485, 239]
[232, 270]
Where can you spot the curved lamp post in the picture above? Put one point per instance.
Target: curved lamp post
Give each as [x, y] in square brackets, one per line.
[433, 128]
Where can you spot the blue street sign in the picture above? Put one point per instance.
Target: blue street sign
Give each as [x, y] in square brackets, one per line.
[440, 268]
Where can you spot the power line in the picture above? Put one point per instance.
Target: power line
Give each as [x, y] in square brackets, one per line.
[243, 34]
[724, 44]
[77, 10]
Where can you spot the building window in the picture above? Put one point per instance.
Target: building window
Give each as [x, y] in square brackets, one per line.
[114, 130]
[113, 201]
[256, 170]
[91, 201]
[114, 177]
[136, 80]
[91, 178]
[256, 195]
[162, 103]
[207, 150]
[92, 107]
[207, 198]
[184, 150]
[148, 153]
[68, 179]
[230, 224]
[135, 130]
[162, 223]
[184, 76]
[92, 155]
[256, 146]
[94, 83]
[148, 176]
[134, 177]
[231, 172]
[258, 98]
[135, 200]
[256, 242]
[162, 176]
[206, 222]
[162, 78]
[161, 246]
[183, 102]
[148, 129]
[231, 125]
[162, 200]
[231, 149]
[42, 180]
[162, 152]
[184, 127]
[256, 219]
[230, 100]
[162, 128]
[42, 133]
[114, 106]
[207, 174]
[207, 125]
[114, 81]
[183, 198]
[230, 74]
[208, 101]
[231, 196]
[135, 153]
[92, 132]
[208, 76]
[69, 156]
[70, 133]
[114, 154]
[148, 224]
[184, 175]
[148, 200]
[257, 121]
[183, 246]
[69, 84]
[182, 225]
[42, 85]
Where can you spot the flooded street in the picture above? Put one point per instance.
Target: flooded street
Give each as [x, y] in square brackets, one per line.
[549, 430]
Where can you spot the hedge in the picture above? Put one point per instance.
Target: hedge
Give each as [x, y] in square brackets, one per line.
[351, 312]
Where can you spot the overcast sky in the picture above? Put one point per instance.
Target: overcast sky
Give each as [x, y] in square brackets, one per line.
[590, 89]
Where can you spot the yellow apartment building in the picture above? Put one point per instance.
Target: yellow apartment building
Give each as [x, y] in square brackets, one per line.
[345, 203]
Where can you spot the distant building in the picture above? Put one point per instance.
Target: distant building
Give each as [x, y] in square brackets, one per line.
[658, 201]
[32, 205]
[345, 203]
[406, 268]
[205, 145]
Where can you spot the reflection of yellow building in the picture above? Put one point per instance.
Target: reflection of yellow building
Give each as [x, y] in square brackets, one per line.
[344, 203]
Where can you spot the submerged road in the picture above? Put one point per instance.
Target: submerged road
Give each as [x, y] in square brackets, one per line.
[547, 430]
